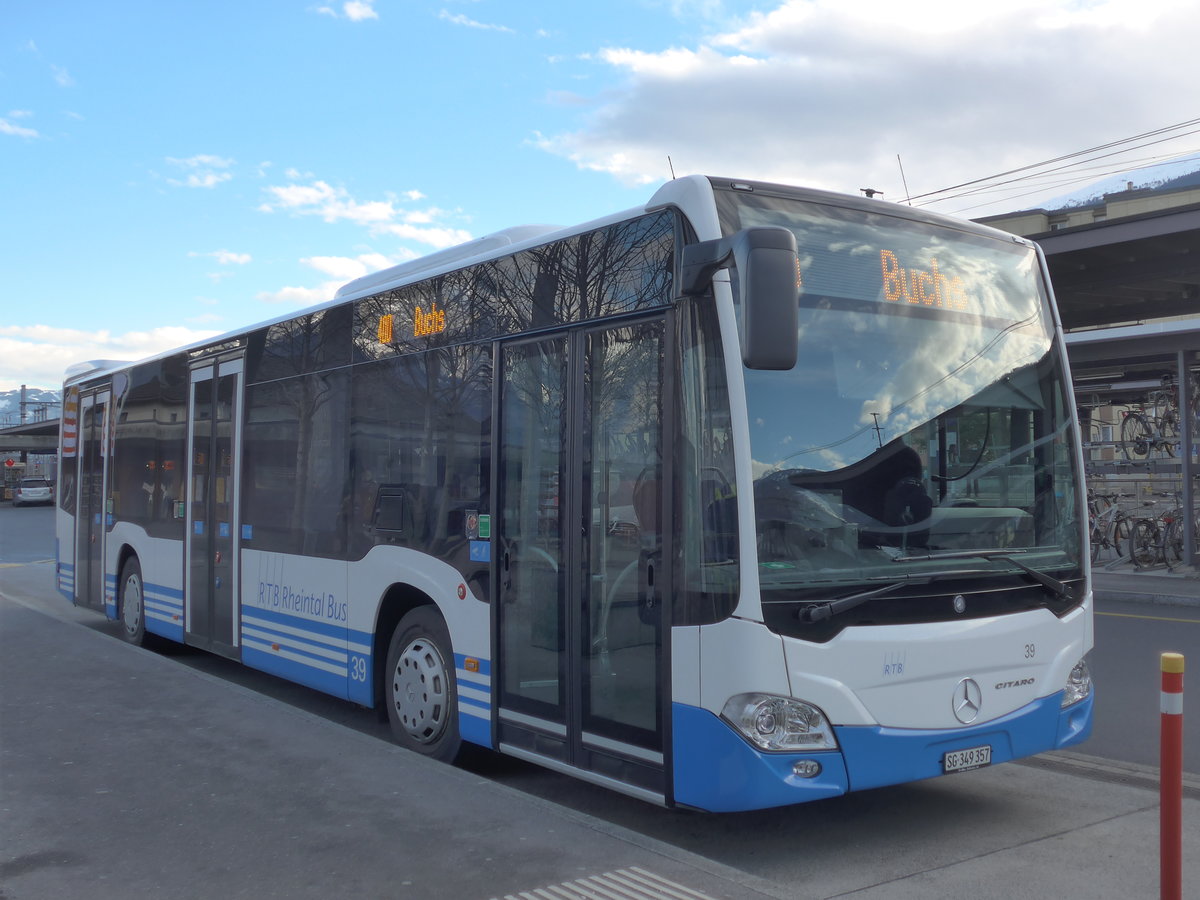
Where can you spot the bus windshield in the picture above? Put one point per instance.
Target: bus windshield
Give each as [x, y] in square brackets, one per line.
[926, 415]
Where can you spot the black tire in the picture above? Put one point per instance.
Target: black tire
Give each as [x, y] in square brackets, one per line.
[1122, 532]
[1170, 434]
[131, 603]
[1173, 542]
[1136, 436]
[1144, 543]
[419, 686]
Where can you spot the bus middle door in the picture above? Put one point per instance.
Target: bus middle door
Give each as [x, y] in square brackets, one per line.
[581, 583]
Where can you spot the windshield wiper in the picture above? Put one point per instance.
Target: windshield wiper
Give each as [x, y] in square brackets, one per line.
[1060, 590]
[819, 612]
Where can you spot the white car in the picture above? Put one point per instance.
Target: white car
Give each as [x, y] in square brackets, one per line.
[33, 490]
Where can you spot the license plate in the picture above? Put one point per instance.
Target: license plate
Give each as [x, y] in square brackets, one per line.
[971, 758]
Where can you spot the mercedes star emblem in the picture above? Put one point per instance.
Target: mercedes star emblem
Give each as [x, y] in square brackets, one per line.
[968, 699]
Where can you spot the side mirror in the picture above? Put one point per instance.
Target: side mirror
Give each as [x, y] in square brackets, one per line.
[767, 271]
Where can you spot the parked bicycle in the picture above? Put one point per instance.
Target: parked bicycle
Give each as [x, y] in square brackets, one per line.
[1145, 542]
[1153, 426]
[1173, 535]
[1110, 526]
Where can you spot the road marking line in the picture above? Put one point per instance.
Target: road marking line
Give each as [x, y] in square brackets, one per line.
[1150, 618]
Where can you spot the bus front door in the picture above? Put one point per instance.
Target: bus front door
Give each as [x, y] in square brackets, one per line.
[90, 511]
[581, 582]
[211, 551]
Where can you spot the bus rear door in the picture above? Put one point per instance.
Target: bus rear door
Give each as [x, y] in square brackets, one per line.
[213, 541]
[90, 512]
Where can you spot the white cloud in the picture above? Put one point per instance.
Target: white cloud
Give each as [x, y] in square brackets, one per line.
[433, 237]
[62, 77]
[202, 160]
[381, 217]
[202, 170]
[7, 127]
[225, 257]
[386, 218]
[332, 204]
[38, 355]
[464, 21]
[348, 268]
[301, 297]
[828, 93]
[354, 10]
[360, 10]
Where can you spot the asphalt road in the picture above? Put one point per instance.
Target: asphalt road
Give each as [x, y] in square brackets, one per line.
[1130, 638]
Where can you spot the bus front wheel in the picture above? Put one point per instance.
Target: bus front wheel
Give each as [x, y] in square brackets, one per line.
[419, 686]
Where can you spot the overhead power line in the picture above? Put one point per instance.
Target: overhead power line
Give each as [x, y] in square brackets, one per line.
[1070, 167]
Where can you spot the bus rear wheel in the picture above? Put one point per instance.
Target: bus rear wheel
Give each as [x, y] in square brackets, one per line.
[132, 603]
[419, 686]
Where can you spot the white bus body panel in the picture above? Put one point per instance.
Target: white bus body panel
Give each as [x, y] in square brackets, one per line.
[904, 676]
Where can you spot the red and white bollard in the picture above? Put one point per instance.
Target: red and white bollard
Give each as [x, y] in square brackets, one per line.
[1170, 778]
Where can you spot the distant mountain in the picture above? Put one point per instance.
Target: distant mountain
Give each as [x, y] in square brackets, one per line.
[1181, 172]
[39, 404]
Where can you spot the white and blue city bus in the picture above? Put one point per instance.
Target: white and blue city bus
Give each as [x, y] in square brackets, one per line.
[751, 496]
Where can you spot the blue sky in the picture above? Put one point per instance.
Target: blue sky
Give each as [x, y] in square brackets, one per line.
[173, 169]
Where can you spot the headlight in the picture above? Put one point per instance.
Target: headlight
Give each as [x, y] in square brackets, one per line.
[779, 723]
[1079, 685]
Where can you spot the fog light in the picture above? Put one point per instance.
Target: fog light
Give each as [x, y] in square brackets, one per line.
[806, 768]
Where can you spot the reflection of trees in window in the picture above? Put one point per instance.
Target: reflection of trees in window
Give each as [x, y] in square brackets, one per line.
[296, 432]
[295, 454]
[706, 476]
[617, 269]
[628, 390]
[419, 424]
[149, 446]
[308, 343]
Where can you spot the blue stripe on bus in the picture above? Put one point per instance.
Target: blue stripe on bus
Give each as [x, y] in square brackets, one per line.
[168, 629]
[716, 769]
[163, 609]
[321, 655]
[292, 670]
[66, 581]
[464, 681]
[472, 701]
[476, 730]
[474, 713]
[281, 618]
